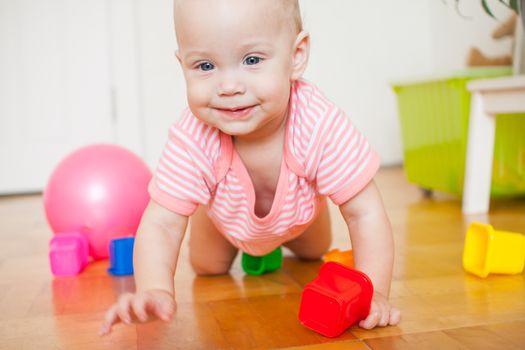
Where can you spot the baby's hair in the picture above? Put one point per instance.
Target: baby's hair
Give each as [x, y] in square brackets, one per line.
[291, 7]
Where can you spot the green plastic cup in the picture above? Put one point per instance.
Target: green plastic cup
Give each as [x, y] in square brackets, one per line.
[257, 265]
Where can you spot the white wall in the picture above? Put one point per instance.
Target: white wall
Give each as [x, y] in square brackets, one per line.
[452, 34]
[162, 82]
[55, 80]
[358, 47]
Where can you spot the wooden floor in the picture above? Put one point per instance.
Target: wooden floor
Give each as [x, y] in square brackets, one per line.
[443, 307]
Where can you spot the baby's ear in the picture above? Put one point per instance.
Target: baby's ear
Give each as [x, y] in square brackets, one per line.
[300, 54]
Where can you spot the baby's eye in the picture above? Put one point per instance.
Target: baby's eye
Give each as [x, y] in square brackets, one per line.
[251, 60]
[206, 66]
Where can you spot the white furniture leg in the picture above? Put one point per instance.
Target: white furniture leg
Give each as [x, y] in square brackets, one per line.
[489, 97]
[480, 150]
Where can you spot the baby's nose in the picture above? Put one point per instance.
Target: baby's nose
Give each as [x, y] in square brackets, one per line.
[230, 84]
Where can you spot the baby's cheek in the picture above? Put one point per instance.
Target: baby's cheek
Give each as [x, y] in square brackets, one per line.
[276, 91]
[198, 95]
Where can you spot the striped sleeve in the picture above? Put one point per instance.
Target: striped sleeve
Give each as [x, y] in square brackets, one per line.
[184, 178]
[346, 162]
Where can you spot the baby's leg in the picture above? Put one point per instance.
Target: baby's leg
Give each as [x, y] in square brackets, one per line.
[210, 251]
[313, 243]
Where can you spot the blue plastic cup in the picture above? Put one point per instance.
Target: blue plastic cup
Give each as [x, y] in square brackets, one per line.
[121, 256]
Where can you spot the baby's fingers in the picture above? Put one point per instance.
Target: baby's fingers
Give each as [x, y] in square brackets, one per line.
[110, 318]
[139, 308]
[384, 316]
[371, 321]
[381, 317]
[162, 307]
[118, 312]
[395, 316]
[124, 306]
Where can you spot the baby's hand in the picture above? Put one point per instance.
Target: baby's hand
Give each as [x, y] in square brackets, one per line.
[138, 307]
[381, 313]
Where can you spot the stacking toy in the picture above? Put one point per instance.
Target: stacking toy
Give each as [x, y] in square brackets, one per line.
[257, 265]
[336, 299]
[489, 251]
[343, 257]
[68, 253]
[121, 256]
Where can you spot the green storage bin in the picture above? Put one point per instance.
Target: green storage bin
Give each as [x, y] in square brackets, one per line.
[434, 117]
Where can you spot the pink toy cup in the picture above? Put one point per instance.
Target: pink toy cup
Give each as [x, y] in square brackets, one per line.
[335, 300]
[68, 253]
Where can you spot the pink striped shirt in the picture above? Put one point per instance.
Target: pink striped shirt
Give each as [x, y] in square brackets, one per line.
[324, 155]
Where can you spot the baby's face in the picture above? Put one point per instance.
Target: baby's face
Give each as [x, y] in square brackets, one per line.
[237, 58]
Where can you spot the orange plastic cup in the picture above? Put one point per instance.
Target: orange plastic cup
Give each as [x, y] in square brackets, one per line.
[345, 257]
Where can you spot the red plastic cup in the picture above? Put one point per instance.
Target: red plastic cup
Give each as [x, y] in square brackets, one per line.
[335, 300]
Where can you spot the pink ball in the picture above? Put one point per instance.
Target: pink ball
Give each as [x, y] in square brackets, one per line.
[100, 190]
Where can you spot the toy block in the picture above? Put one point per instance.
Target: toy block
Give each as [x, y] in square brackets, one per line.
[491, 251]
[68, 253]
[335, 300]
[344, 257]
[257, 265]
[121, 256]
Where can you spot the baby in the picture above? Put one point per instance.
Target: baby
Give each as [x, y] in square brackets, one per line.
[252, 160]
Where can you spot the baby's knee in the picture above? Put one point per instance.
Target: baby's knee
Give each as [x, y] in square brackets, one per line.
[308, 250]
[312, 255]
[208, 269]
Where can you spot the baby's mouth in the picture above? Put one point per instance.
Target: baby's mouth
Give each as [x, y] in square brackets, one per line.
[236, 112]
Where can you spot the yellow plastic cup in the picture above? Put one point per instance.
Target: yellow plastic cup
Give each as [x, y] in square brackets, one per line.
[489, 251]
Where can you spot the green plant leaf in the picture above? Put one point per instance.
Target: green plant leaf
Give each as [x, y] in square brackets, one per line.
[487, 8]
[458, 10]
[513, 4]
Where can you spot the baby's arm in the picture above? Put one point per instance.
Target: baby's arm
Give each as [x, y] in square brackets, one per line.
[373, 249]
[157, 246]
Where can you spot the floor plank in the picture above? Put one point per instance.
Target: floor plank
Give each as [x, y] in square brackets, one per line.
[507, 335]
